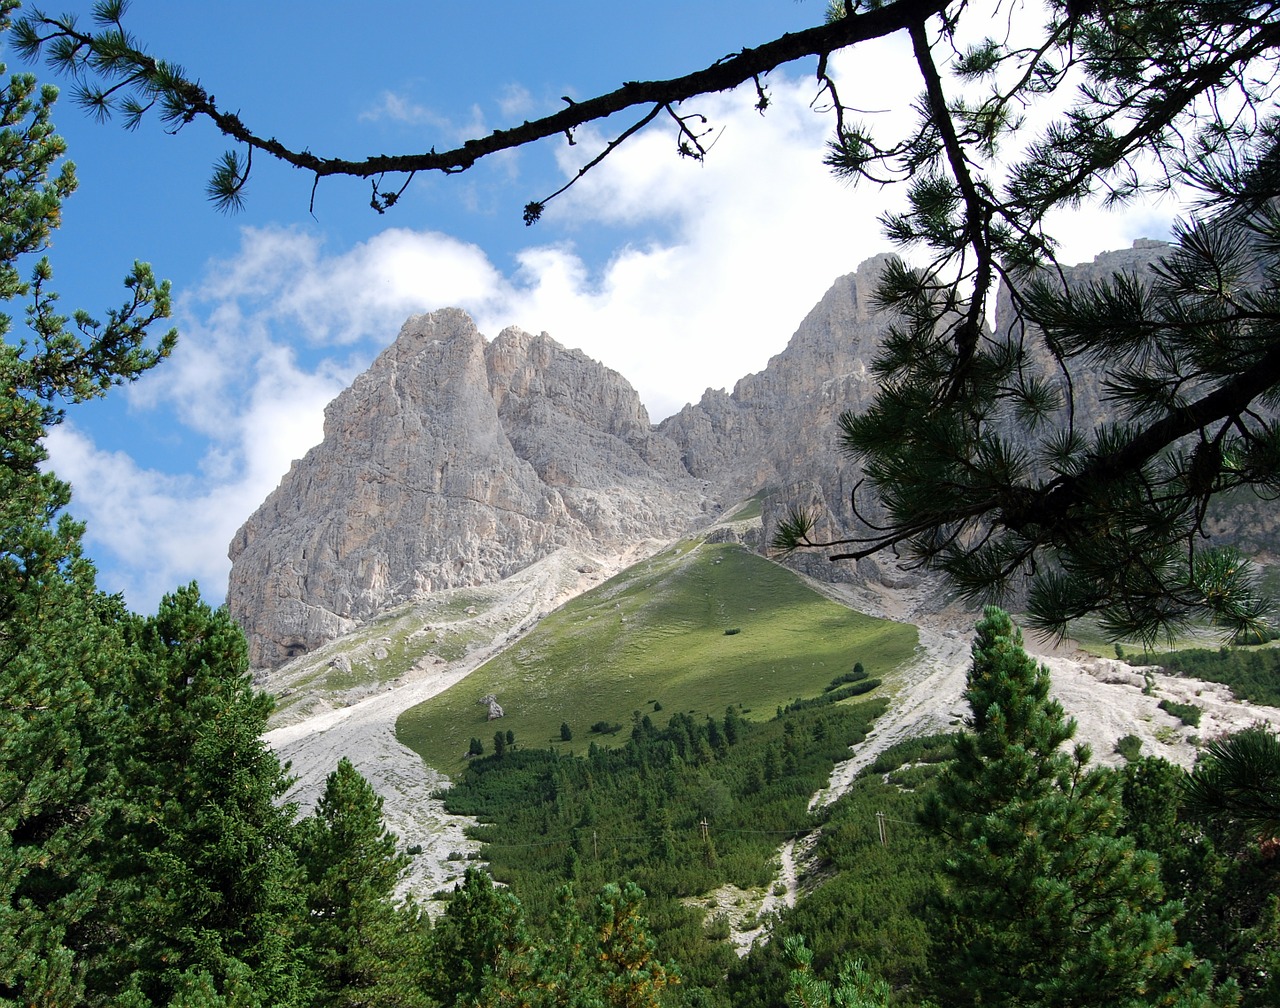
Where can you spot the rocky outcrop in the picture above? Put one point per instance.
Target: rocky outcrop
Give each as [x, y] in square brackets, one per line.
[767, 431]
[451, 461]
[457, 461]
[775, 434]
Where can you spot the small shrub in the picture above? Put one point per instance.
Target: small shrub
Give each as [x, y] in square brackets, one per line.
[606, 727]
[414, 851]
[1188, 714]
[1166, 735]
[1130, 747]
[733, 630]
[718, 928]
[830, 696]
[922, 749]
[857, 675]
[908, 778]
[779, 888]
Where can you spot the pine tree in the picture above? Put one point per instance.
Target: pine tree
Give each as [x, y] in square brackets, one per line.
[1237, 780]
[855, 988]
[202, 851]
[61, 641]
[1221, 873]
[1043, 903]
[633, 975]
[58, 714]
[480, 924]
[558, 973]
[363, 948]
[602, 959]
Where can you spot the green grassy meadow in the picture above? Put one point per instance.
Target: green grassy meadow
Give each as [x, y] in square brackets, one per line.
[653, 640]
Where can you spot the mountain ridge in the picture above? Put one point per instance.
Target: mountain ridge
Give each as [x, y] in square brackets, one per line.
[456, 460]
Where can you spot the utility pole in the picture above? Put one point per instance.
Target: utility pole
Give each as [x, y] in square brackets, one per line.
[884, 839]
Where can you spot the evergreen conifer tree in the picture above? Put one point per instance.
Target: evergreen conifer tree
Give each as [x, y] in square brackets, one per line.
[1237, 780]
[58, 715]
[362, 948]
[1043, 903]
[60, 639]
[1224, 877]
[603, 959]
[856, 988]
[480, 922]
[202, 849]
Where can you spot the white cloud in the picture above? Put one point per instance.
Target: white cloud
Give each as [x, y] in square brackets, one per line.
[725, 258]
[515, 101]
[397, 108]
[149, 532]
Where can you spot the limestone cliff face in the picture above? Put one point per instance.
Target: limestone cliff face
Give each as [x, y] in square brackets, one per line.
[776, 434]
[775, 421]
[451, 461]
[456, 461]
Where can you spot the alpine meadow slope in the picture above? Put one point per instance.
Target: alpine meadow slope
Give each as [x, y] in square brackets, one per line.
[734, 461]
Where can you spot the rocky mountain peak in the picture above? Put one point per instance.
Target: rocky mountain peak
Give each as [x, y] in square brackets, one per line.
[458, 461]
[451, 461]
[454, 460]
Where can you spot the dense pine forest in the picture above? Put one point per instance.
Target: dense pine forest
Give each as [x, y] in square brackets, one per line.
[920, 875]
[149, 860]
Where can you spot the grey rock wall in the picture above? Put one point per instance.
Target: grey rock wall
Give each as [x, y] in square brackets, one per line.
[451, 461]
[456, 461]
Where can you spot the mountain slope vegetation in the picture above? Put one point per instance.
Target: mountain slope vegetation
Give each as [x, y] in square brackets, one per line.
[695, 629]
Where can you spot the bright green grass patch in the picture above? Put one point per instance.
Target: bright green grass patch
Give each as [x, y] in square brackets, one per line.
[656, 632]
[748, 510]
[443, 625]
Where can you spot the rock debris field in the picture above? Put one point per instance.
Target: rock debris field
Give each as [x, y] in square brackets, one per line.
[1106, 697]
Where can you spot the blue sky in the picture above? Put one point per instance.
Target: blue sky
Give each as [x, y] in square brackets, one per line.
[680, 275]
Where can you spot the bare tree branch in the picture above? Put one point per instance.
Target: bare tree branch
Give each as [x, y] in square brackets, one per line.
[723, 75]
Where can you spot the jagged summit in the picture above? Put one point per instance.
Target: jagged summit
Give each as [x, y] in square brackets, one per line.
[451, 461]
[456, 461]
